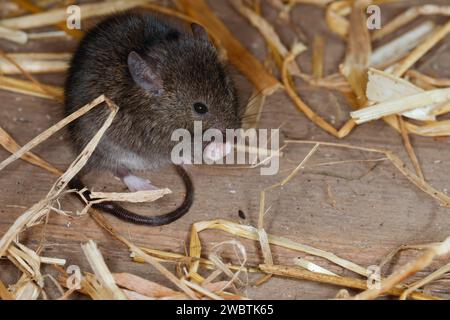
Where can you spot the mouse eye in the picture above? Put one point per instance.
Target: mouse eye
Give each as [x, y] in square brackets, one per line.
[200, 108]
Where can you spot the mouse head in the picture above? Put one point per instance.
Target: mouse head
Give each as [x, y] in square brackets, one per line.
[185, 81]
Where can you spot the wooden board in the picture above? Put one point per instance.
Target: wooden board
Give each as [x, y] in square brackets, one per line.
[359, 210]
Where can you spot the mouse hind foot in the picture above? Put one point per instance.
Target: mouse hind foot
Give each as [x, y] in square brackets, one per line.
[134, 183]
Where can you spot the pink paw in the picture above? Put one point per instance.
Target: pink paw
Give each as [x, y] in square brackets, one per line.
[135, 183]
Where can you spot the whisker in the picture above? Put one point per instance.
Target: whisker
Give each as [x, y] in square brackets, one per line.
[258, 113]
[253, 97]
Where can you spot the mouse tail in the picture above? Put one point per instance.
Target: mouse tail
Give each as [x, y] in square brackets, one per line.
[159, 220]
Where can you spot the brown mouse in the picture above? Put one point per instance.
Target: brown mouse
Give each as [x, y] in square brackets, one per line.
[162, 78]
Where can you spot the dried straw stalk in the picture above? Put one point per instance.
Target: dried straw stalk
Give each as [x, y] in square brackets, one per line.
[423, 48]
[138, 288]
[33, 8]
[133, 197]
[409, 147]
[44, 206]
[414, 74]
[47, 35]
[7, 142]
[55, 16]
[384, 87]
[438, 128]
[299, 273]
[399, 47]
[408, 16]
[315, 2]
[401, 105]
[35, 63]
[289, 67]
[431, 277]
[303, 107]
[310, 266]
[262, 235]
[101, 271]
[99, 218]
[17, 36]
[24, 72]
[30, 88]
[186, 260]
[334, 18]
[268, 32]
[318, 57]
[31, 283]
[443, 199]
[145, 287]
[358, 53]
[4, 293]
[406, 271]
[337, 11]
[251, 233]
[238, 55]
[52, 130]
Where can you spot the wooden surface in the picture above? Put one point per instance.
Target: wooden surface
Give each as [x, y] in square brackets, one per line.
[359, 210]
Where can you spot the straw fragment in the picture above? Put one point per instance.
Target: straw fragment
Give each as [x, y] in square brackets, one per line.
[318, 56]
[44, 206]
[17, 36]
[34, 8]
[49, 132]
[4, 293]
[35, 63]
[409, 148]
[303, 107]
[7, 142]
[398, 48]
[443, 199]
[238, 55]
[358, 53]
[251, 233]
[300, 273]
[422, 49]
[431, 277]
[435, 82]
[101, 271]
[408, 16]
[268, 32]
[56, 16]
[99, 218]
[143, 286]
[406, 271]
[401, 105]
[30, 88]
[310, 266]
[335, 19]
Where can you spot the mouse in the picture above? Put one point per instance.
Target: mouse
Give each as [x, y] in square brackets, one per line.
[163, 77]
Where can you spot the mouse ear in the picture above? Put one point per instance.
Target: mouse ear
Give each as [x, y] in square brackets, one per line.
[143, 74]
[199, 32]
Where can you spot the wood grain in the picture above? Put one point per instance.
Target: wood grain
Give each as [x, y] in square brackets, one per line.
[359, 211]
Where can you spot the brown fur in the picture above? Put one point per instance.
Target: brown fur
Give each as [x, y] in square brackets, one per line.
[190, 71]
[186, 68]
